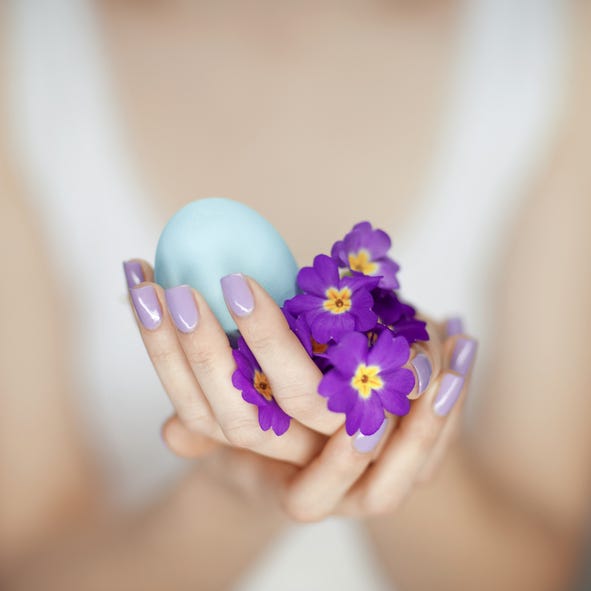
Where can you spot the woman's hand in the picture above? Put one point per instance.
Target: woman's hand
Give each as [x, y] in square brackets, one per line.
[335, 473]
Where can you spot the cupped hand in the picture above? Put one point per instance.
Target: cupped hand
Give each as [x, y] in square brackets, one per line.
[317, 469]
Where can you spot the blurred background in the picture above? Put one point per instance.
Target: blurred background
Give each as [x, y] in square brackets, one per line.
[436, 120]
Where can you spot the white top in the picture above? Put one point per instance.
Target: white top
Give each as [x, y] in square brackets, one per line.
[82, 183]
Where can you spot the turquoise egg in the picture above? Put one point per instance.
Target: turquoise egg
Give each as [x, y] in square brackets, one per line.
[213, 237]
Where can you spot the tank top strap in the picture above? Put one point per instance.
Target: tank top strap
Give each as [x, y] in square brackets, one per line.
[82, 186]
[68, 135]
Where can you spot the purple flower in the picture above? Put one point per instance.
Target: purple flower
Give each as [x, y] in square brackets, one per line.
[316, 350]
[333, 306]
[366, 380]
[254, 385]
[400, 317]
[365, 250]
[412, 329]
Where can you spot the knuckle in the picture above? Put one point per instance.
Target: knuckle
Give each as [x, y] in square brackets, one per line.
[426, 433]
[202, 359]
[300, 513]
[242, 432]
[372, 504]
[262, 342]
[197, 418]
[163, 356]
[296, 403]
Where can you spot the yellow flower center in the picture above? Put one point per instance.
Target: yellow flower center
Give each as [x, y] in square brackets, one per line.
[372, 337]
[318, 347]
[337, 301]
[261, 385]
[362, 262]
[366, 379]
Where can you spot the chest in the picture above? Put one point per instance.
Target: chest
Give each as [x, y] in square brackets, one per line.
[315, 125]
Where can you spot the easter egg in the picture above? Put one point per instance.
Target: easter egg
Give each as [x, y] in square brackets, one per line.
[213, 237]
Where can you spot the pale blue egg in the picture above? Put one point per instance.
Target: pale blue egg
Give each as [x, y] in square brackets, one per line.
[213, 237]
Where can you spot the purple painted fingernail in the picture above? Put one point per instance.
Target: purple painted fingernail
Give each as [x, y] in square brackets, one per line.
[237, 294]
[454, 326]
[449, 390]
[146, 304]
[366, 443]
[182, 307]
[423, 369]
[463, 355]
[134, 274]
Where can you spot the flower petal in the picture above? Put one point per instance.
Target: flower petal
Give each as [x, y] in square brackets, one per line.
[281, 421]
[328, 326]
[388, 351]
[327, 269]
[244, 357]
[354, 417]
[373, 415]
[349, 353]
[266, 416]
[388, 268]
[240, 381]
[378, 243]
[332, 383]
[395, 402]
[337, 252]
[303, 303]
[310, 281]
[399, 380]
[364, 226]
[343, 401]
[412, 330]
[357, 281]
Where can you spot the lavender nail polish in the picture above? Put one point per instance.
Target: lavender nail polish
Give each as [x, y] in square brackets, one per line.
[463, 355]
[237, 294]
[147, 306]
[134, 274]
[182, 307]
[449, 391]
[423, 369]
[367, 443]
[454, 326]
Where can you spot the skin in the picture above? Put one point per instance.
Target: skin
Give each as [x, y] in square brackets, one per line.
[472, 517]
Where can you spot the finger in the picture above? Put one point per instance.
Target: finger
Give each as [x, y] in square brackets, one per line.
[185, 443]
[293, 376]
[137, 271]
[208, 352]
[315, 492]
[426, 360]
[462, 359]
[159, 336]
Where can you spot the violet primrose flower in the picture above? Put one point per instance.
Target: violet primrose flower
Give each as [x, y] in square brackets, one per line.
[398, 316]
[366, 381]
[255, 388]
[333, 306]
[316, 350]
[365, 250]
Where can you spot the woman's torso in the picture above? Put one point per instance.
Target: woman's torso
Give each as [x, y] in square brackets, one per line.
[294, 121]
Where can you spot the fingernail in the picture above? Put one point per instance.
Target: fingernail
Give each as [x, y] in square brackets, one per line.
[423, 369]
[366, 443]
[454, 326]
[463, 355]
[182, 307]
[134, 274]
[449, 390]
[237, 294]
[146, 304]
